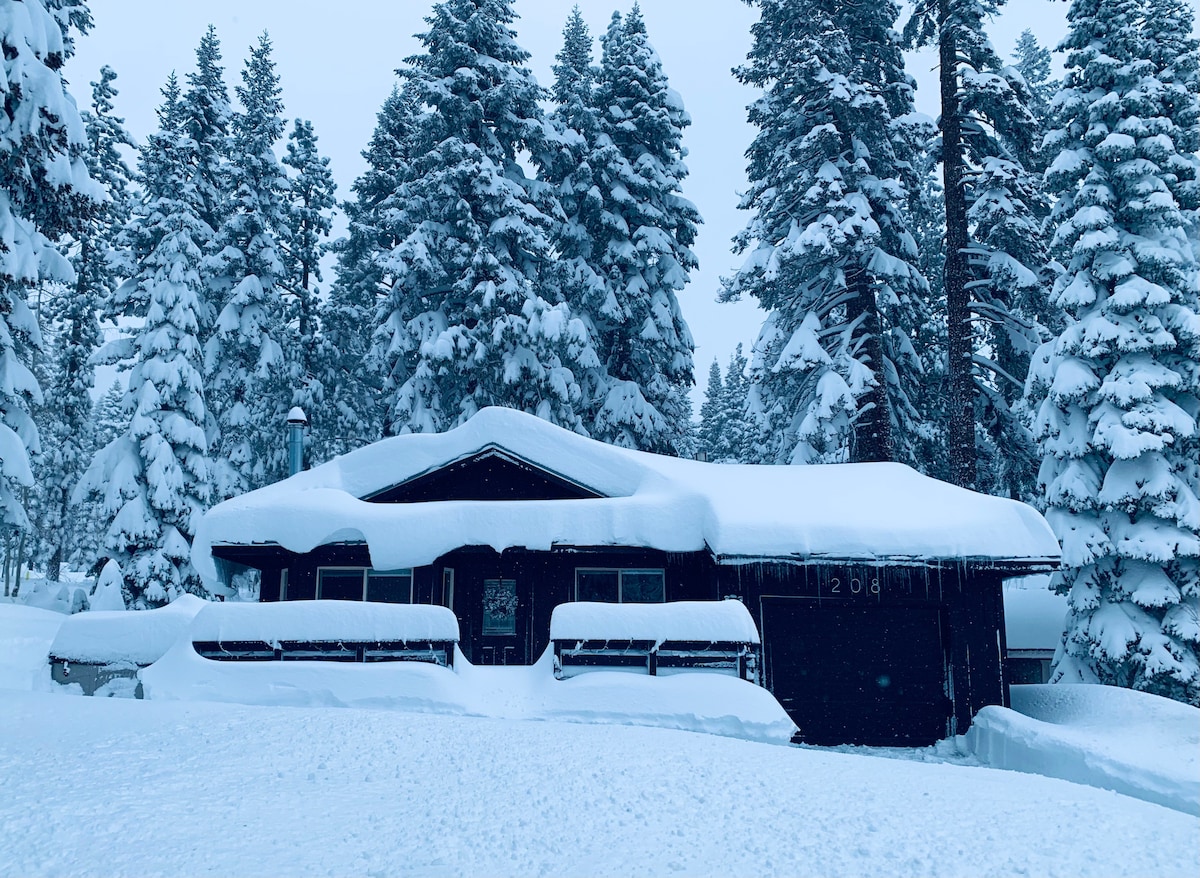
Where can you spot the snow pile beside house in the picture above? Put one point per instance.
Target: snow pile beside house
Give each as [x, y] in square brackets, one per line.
[702, 621]
[1134, 743]
[25, 637]
[850, 511]
[122, 636]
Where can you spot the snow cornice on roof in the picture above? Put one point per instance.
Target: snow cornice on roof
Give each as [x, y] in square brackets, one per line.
[883, 512]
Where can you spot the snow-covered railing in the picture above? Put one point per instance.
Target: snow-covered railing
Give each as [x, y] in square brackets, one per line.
[656, 639]
[341, 631]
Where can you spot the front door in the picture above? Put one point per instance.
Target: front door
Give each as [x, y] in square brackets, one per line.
[504, 627]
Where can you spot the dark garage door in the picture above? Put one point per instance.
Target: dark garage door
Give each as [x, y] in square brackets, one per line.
[857, 675]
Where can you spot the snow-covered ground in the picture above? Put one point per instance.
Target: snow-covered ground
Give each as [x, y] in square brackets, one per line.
[106, 786]
[112, 787]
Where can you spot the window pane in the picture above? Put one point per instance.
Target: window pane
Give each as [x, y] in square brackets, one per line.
[642, 586]
[390, 586]
[596, 585]
[340, 585]
[499, 606]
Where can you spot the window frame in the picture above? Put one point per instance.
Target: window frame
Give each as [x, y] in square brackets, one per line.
[621, 572]
[366, 579]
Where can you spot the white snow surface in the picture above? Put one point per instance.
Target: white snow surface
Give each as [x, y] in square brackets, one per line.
[700, 702]
[25, 637]
[137, 636]
[1117, 739]
[1034, 616]
[109, 787]
[875, 511]
[709, 621]
[356, 621]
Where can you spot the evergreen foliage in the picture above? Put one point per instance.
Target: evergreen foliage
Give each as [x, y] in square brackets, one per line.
[465, 324]
[65, 420]
[995, 305]
[45, 191]
[309, 215]
[1117, 393]
[245, 359]
[153, 479]
[831, 257]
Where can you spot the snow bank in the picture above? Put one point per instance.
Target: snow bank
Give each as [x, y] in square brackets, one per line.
[356, 621]
[122, 788]
[698, 702]
[1117, 739]
[876, 511]
[706, 621]
[25, 637]
[135, 636]
[1033, 615]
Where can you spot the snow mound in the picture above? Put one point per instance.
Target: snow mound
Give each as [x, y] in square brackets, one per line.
[867, 511]
[697, 702]
[25, 637]
[354, 621]
[703, 621]
[136, 636]
[1117, 739]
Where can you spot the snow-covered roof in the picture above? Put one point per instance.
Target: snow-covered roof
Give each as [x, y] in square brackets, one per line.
[706, 621]
[1034, 616]
[866, 511]
[136, 636]
[351, 621]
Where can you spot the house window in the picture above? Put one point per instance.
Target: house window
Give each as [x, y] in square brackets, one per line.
[620, 586]
[499, 606]
[363, 583]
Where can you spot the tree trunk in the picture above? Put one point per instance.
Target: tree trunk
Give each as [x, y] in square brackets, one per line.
[961, 429]
[873, 427]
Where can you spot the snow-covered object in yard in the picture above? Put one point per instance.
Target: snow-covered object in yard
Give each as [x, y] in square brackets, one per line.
[1033, 615]
[1119, 739]
[349, 621]
[698, 702]
[59, 597]
[873, 512]
[135, 637]
[703, 621]
[108, 594]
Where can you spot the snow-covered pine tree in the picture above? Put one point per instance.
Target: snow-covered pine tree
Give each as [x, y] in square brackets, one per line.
[354, 410]
[209, 117]
[736, 440]
[1033, 62]
[248, 357]
[153, 479]
[45, 191]
[994, 246]
[310, 219]
[1117, 393]
[66, 417]
[641, 230]
[108, 414]
[708, 436]
[831, 258]
[465, 324]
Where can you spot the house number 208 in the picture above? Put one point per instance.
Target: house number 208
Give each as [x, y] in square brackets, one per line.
[856, 586]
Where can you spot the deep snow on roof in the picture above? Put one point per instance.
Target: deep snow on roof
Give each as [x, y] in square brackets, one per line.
[876, 511]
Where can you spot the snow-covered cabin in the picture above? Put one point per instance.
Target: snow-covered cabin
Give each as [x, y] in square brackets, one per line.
[877, 591]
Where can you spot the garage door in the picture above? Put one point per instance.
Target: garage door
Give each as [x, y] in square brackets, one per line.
[857, 675]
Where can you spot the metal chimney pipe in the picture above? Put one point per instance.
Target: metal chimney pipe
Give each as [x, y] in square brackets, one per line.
[296, 422]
